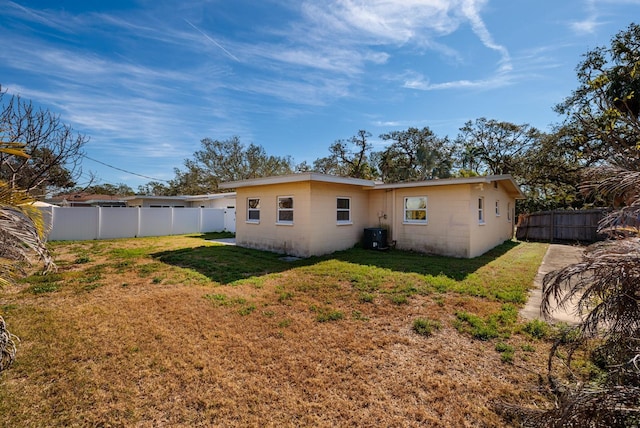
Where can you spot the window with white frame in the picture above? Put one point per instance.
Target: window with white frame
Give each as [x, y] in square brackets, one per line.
[253, 210]
[343, 210]
[415, 209]
[508, 211]
[481, 210]
[497, 208]
[285, 209]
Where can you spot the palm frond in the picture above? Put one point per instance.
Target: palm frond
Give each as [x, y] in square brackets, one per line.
[22, 232]
[604, 286]
[7, 346]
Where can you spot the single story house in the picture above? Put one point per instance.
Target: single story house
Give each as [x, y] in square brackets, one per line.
[215, 200]
[312, 214]
[83, 199]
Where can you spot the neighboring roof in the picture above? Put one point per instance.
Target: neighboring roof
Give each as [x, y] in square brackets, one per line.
[508, 181]
[296, 178]
[211, 196]
[86, 198]
[184, 197]
[176, 198]
[39, 204]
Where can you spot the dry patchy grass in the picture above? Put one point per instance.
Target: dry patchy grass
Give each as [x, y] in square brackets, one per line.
[176, 331]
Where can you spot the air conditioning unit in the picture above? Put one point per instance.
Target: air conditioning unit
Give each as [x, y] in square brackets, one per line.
[375, 238]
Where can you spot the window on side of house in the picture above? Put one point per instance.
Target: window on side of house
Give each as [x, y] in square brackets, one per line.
[497, 208]
[285, 209]
[415, 209]
[343, 210]
[253, 210]
[509, 211]
[481, 210]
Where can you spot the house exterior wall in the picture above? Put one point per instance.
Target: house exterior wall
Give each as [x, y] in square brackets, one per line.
[222, 203]
[452, 226]
[327, 234]
[447, 230]
[315, 229]
[267, 234]
[496, 228]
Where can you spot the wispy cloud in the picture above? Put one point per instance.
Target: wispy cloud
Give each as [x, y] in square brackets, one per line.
[418, 81]
[596, 15]
[470, 10]
[590, 23]
[161, 78]
[422, 23]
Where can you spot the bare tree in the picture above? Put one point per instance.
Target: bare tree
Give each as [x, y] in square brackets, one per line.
[55, 151]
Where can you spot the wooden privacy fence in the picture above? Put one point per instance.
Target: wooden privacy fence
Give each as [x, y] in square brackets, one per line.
[560, 225]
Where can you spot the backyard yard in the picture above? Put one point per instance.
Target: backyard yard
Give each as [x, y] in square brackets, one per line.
[181, 331]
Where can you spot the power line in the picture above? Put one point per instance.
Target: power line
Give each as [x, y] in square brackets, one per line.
[124, 170]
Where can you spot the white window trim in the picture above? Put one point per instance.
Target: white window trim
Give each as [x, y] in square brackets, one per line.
[249, 209]
[404, 211]
[509, 212]
[278, 209]
[343, 222]
[481, 209]
[497, 208]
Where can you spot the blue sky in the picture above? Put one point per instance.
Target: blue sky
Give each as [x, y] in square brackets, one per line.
[147, 80]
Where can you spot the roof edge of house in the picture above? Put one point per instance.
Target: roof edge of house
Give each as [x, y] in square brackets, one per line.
[485, 179]
[296, 178]
[372, 185]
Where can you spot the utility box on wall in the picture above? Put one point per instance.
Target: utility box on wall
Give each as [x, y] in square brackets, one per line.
[375, 238]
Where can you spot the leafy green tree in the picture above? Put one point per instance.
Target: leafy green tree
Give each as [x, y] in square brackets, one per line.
[414, 155]
[55, 151]
[550, 174]
[222, 161]
[154, 188]
[230, 160]
[602, 114]
[348, 158]
[493, 147]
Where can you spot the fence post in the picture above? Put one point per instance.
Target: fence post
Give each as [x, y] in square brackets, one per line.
[172, 220]
[99, 225]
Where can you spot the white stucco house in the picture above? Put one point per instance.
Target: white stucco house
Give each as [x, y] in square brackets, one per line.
[311, 214]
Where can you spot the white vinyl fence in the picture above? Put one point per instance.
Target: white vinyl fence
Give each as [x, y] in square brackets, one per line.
[87, 223]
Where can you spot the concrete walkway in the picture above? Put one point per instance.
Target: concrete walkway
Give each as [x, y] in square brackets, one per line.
[557, 257]
[224, 241]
